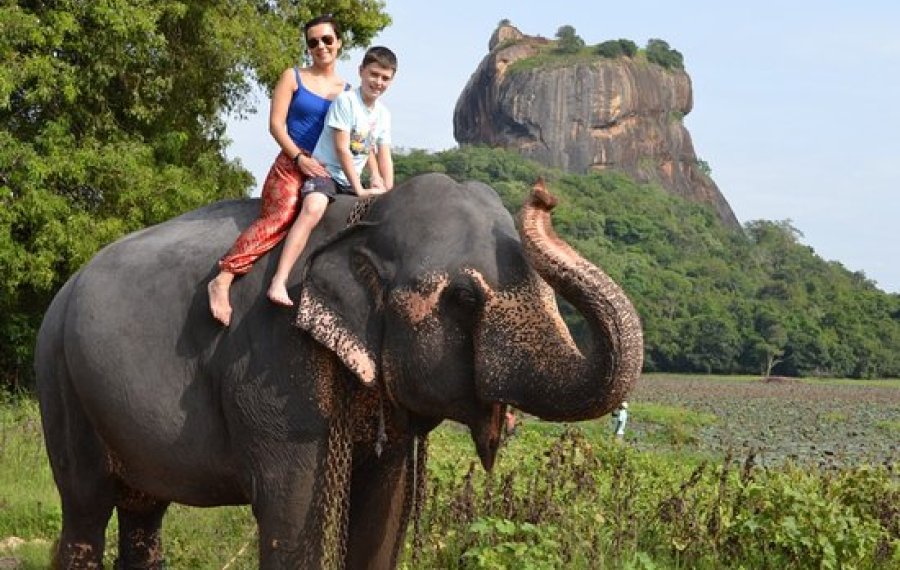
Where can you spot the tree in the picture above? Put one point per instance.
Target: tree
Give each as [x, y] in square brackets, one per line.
[568, 40]
[112, 117]
[616, 48]
[659, 52]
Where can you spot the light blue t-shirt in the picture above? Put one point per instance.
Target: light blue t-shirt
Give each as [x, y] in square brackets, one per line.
[368, 128]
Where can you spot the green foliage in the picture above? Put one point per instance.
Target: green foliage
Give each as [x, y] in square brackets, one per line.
[711, 299]
[559, 497]
[674, 425]
[587, 502]
[112, 118]
[659, 52]
[616, 48]
[568, 41]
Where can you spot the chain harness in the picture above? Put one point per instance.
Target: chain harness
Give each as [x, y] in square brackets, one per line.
[334, 500]
[335, 497]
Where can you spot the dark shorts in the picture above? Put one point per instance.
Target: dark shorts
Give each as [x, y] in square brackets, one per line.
[325, 185]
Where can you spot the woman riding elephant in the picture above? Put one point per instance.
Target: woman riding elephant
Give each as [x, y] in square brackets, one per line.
[296, 118]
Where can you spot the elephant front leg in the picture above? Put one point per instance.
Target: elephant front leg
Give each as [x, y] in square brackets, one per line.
[379, 508]
[287, 500]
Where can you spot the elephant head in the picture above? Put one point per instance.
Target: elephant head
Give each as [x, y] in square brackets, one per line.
[435, 298]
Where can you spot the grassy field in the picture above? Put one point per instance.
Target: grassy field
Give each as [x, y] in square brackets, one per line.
[713, 473]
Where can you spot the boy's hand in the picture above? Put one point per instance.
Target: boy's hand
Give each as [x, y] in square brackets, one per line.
[371, 192]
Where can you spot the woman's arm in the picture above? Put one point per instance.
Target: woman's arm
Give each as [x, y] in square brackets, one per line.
[278, 111]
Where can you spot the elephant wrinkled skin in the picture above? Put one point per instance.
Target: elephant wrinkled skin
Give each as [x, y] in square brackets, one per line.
[430, 308]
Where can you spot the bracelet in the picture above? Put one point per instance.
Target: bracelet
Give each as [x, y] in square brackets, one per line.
[297, 158]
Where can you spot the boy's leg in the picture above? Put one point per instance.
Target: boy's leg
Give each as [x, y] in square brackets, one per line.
[311, 211]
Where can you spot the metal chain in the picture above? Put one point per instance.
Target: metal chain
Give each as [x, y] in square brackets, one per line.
[333, 505]
[360, 209]
[338, 464]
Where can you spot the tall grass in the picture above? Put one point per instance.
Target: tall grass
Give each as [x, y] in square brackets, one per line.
[560, 497]
[577, 502]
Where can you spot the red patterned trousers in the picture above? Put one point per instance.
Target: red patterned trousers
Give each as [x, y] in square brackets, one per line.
[280, 203]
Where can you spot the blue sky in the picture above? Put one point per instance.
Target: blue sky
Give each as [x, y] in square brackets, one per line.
[796, 104]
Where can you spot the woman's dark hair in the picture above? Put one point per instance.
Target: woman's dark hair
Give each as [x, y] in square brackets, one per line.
[326, 19]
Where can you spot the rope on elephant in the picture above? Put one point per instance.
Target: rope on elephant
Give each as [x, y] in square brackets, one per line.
[421, 474]
[414, 495]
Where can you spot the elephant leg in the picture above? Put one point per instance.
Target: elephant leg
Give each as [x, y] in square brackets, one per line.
[379, 508]
[285, 510]
[86, 489]
[140, 537]
[83, 537]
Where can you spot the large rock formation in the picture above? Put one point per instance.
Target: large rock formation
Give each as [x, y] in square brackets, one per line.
[602, 114]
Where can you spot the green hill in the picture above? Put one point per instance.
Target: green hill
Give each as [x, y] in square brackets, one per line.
[711, 299]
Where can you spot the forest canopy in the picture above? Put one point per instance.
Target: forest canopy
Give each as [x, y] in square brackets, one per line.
[712, 300]
[112, 118]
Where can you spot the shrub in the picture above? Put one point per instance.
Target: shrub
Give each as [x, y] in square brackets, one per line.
[568, 40]
[659, 52]
[616, 48]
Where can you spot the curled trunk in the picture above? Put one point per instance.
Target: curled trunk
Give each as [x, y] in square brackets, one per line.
[546, 375]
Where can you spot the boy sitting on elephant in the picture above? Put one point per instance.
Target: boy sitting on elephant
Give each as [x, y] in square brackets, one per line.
[357, 133]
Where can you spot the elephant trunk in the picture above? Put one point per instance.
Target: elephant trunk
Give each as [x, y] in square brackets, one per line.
[546, 374]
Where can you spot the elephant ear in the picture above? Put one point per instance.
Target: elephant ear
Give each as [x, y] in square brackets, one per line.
[340, 302]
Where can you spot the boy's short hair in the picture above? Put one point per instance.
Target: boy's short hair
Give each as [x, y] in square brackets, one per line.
[382, 56]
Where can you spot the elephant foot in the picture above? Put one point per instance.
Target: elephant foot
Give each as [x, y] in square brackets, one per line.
[219, 302]
[278, 294]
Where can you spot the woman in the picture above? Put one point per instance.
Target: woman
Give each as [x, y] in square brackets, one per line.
[296, 118]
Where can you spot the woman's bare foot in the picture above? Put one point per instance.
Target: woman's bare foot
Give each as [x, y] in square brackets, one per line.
[219, 302]
[278, 294]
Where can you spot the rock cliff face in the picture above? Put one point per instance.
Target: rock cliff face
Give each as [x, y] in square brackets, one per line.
[603, 114]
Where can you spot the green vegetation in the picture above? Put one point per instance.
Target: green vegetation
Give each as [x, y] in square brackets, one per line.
[711, 299]
[97, 141]
[561, 496]
[616, 48]
[570, 49]
[675, 425]
[568, 41]
[659, 52]
[112, 118]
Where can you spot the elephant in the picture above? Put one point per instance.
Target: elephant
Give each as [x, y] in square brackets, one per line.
[426, 304]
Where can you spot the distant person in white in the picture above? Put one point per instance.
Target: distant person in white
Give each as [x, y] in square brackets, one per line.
[620, 418]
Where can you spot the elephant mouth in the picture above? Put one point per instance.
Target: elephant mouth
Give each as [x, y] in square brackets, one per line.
[486, 435]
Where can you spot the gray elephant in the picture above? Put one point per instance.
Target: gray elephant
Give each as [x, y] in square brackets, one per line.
[428, 308]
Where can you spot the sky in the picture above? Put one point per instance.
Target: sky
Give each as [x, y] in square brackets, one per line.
[796, 104]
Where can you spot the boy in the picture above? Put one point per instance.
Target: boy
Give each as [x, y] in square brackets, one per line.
[357, 133]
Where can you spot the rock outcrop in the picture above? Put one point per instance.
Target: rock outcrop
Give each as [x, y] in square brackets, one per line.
[622, 113]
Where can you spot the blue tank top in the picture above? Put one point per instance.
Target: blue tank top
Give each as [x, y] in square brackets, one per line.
[306, 116]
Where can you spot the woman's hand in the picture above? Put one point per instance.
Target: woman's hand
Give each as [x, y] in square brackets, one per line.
[310, 167]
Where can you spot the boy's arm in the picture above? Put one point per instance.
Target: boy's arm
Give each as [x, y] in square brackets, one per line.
[385, 165]
[375, 179]
[345, 158]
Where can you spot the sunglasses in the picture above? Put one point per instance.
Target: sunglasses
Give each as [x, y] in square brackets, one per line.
[313, 43]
